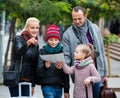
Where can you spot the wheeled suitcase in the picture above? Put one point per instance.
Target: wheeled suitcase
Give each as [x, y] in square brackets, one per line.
[30, 89]
[107, 92]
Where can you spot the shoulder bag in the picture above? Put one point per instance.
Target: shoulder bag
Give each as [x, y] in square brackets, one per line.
[107, 92]
[11, 77]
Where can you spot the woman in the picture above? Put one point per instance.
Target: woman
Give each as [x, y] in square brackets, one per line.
[26, 45]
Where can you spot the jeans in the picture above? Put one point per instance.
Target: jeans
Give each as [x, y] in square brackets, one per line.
[51, 92]
[14, 91]
[96, 90]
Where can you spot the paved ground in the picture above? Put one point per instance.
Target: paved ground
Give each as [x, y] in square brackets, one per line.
[4, 93]
[113, 82]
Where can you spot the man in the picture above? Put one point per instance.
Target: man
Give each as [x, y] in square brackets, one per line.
[84, 31]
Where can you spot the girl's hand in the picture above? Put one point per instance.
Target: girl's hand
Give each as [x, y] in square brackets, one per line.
[87, 81]
[59, 65]
[47, 64]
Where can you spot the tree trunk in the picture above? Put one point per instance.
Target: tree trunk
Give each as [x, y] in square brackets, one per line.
[108, 59]
[101, 25]
[8, 50]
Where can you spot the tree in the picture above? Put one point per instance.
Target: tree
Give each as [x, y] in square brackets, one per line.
[56, 11]
[47, 11]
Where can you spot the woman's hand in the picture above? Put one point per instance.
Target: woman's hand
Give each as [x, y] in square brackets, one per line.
[59, 64]
[31, 41]
[33, 91]
[66, 95]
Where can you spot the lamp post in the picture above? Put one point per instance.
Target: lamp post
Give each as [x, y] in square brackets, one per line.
[1, 43]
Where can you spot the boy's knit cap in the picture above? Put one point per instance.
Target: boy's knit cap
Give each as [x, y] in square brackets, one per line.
[53, 32]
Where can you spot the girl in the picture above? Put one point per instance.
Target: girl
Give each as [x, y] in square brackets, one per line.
[84, 70]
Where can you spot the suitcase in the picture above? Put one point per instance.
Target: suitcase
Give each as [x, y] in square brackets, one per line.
[30, 89]
[107, 92]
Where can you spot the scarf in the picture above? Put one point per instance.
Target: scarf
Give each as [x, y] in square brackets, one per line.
[82, 32]
[27, 36]
[52, 50]
[79, 64]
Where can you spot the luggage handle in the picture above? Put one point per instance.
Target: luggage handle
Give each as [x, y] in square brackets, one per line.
[25, 83]
[86, 89]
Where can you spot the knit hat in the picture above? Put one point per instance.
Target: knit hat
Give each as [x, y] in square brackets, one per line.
[53, 32]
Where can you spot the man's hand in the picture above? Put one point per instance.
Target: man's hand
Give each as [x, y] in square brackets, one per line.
[105, 79]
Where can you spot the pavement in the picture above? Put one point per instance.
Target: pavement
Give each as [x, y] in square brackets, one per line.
[113, 82]
[4, 92]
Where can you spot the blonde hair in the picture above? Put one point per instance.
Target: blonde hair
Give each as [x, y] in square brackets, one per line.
[29, 20]
[87, 49]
